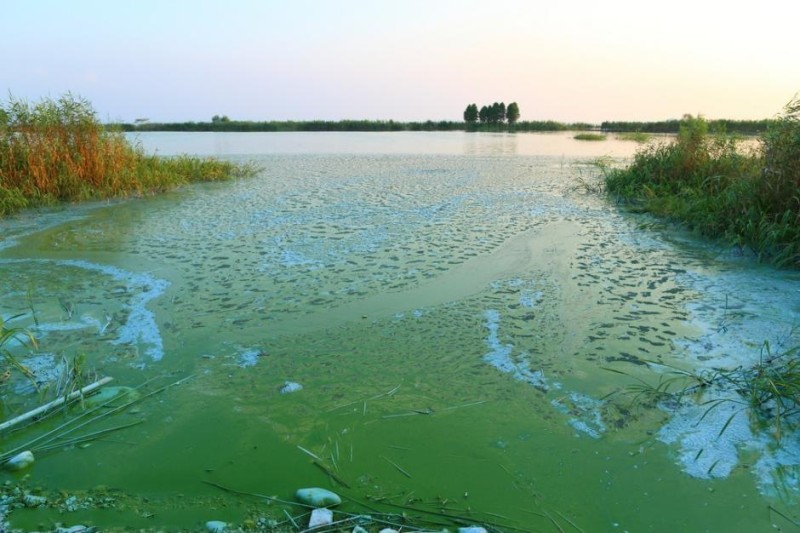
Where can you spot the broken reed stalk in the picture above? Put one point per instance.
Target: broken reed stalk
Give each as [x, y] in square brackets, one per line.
[379, 396]
[291, 519]
[60, 431]
[84, 438]
[772, 509]
[330, 472]
[553, 520]
[396, 466]
[570, 522]
[256, 495]
[55, 403]
[310, 453]
[455, 519]
[355, 517]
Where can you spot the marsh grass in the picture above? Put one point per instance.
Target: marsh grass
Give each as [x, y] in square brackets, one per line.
[56, 150]
[751, 199]
[636, 136]
[8, 337]
[769, 391]
[590, 137]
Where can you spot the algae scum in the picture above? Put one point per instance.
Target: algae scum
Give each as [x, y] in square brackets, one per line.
[435, 331]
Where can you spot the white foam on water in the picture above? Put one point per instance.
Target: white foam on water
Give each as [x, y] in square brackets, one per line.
[709, 434]
[778, 468]
[500, 355]
[584, 412]
[737, 314]
[531, 299]
[291, 258]
[249, 357]
[8, 243]
[140, 327]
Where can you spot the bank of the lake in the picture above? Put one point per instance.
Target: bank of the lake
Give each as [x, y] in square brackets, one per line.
[749, 198]
[56, 150]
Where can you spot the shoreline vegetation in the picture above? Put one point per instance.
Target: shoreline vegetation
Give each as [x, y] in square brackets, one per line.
[224, 124]
[748, 199]
[57, 151]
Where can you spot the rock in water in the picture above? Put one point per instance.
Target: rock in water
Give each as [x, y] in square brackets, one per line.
[215, 526]
[318, 497]
[20, 461]
[472, 529]
[320, 517]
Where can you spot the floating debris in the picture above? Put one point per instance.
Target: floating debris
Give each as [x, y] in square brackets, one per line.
[290, 386]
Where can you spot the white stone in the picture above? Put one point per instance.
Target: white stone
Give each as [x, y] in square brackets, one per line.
[20, 461]
[388, 530]
[215, 526]
[472, 529]
[318, 497]
[320, 517]
[359, 529]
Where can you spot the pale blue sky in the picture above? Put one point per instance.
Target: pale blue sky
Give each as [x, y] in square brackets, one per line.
[176, 60]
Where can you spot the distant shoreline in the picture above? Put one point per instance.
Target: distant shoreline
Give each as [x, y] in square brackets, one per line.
[742, 127]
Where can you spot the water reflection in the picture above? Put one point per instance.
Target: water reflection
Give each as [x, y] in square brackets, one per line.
[441, 143]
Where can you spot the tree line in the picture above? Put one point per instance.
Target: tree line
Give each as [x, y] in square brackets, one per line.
[496, 113]
[744, 127]
[489, 118]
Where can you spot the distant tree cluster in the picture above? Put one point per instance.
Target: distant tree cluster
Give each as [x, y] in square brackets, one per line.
[496, 113]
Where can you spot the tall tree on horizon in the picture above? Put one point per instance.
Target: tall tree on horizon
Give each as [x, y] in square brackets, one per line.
[496, 113]
[483, 114]
[512, 113]
[471, 114]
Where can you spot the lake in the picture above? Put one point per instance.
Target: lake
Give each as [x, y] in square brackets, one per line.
[448, 325]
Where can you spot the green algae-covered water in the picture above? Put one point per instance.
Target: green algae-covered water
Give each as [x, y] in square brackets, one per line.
[429, 323]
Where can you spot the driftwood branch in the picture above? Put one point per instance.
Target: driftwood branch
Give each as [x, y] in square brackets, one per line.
[88, 389]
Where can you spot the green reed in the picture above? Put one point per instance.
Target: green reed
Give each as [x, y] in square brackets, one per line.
[706, 182]
[9, 362]
[636, 136]
[590, 137]
[56, 150]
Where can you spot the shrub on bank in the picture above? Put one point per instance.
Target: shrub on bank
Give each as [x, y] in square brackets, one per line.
[56, 150]
[704, 181]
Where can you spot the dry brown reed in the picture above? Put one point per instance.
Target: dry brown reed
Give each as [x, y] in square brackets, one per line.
[56, 150]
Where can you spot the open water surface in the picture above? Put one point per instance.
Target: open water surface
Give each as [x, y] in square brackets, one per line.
[457, 311]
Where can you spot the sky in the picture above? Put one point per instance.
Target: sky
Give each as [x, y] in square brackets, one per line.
[406, 60]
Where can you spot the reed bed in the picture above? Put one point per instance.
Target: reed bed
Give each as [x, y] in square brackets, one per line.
[56, 150]
[750, 199]
[590, 137]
